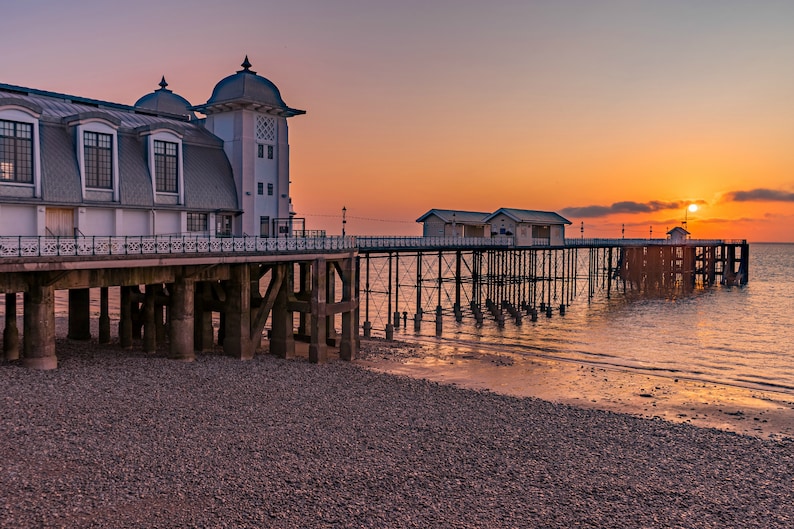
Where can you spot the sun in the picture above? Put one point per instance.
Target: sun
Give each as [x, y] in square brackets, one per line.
[692, 208]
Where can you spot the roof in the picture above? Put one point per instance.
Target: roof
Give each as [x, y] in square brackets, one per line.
[165, 100]
[208, 178]
[246, 88]
[451, 215]
[678, 229]
[529, 216]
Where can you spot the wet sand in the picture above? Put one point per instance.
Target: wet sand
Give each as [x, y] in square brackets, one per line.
[758, 412]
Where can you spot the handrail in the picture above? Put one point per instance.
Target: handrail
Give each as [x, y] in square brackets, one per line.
[53, 246]
[43, 246]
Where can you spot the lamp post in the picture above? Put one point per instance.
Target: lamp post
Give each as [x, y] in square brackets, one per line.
[454, 226]
[344, 220]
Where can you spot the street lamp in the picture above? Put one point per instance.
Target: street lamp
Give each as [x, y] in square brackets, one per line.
[344, 220]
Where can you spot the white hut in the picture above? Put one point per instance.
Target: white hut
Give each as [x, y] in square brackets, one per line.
[528, 227]
[454, 223]
[678, 235]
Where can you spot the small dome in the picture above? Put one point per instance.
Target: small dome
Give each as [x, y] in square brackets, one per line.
[247, 85]
[164, 100]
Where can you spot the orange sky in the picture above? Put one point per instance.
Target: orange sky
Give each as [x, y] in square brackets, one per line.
[614, 113]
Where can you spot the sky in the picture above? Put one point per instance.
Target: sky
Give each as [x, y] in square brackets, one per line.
[616, 114]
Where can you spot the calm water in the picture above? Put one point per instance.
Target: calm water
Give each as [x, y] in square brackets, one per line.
[732, 335]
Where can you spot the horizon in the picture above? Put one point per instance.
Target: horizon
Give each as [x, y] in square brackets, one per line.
[619, 115]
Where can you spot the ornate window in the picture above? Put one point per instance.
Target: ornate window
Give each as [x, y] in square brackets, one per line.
[166, 167]
[196, 221]
[98, 160]
[16, 152]
[266, 129]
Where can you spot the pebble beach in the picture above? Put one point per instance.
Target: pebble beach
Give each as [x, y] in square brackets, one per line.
[118, 438]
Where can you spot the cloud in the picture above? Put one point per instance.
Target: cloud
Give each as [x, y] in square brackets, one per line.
[759, 195]
[627, 206]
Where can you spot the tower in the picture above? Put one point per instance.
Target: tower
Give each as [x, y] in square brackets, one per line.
[247, 112]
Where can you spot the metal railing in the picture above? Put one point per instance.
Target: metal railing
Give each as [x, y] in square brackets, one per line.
[50, 246]
[384, 243]
[164, 244]
[649, 242]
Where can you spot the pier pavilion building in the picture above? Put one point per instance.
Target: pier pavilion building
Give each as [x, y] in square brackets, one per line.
[187, 216]
[72, 165]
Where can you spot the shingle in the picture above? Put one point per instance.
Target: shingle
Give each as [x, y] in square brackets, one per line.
[209, 182]
[135, 184]
[60, 176]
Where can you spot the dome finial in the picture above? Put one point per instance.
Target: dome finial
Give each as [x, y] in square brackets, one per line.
[163, 84]
[246, 66]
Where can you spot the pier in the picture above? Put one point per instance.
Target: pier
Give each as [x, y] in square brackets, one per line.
[171, 287]
[425, 279]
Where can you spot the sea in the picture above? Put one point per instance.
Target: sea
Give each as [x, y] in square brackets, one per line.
[732, 335]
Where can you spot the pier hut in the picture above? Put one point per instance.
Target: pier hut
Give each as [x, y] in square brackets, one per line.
[522, 227]
[454, 223]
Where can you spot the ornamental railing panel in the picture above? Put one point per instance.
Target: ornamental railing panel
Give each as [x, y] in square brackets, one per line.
[85, 246]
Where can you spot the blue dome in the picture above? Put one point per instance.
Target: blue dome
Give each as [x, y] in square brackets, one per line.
[245, 84]
[165, 101]
[248, 88]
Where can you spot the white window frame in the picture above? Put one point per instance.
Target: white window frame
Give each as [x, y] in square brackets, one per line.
[169, 136]
[21, 114]
[100, 126]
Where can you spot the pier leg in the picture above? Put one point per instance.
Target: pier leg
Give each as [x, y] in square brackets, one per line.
[439, 322]
[305, 290]
[203, 334]
[11, 332]
[39, 328]
[125, 318]
[282, 337]
[237, 316]
[330, 319]
[181, 311]
[79, 314]
[149, 331]
[104, 316]
[347, 347]
[318, 349]
[160, 315]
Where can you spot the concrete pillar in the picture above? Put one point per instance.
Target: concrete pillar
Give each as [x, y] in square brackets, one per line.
[256, 301]
[149, 331]
[79, 314]
[348, 347]
[160, 315]
[282, 335]
[305, 289]
[104, 316]
[318, 349]
[237, 314]
[11, 332]
[181, 311]
[330, 319]
[125, 318]
[39, 328]
[203, 334]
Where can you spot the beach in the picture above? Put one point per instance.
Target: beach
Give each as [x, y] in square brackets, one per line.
[117, 438]
[760, 412]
